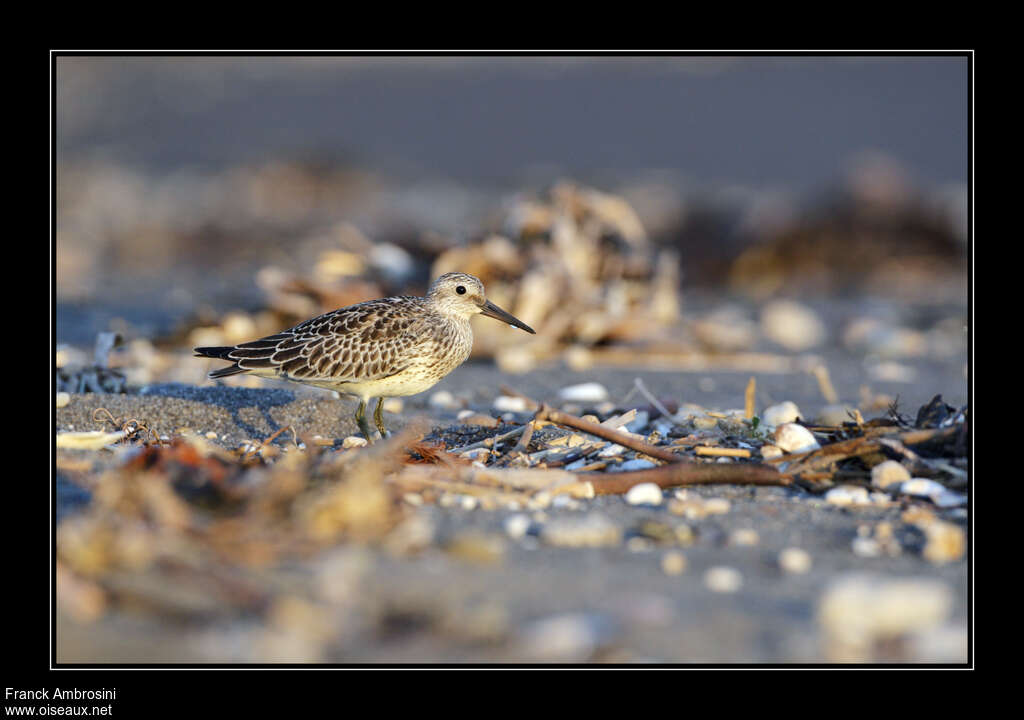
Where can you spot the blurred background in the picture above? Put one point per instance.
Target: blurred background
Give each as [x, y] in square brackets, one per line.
[692, 221]
[179, 178]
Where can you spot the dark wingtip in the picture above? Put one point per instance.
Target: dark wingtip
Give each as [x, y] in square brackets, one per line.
[225, 372]
[212, 352]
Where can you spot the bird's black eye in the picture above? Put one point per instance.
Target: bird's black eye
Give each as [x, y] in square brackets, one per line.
[461, 290]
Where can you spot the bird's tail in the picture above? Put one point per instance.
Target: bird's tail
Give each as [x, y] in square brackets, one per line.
[220, 353]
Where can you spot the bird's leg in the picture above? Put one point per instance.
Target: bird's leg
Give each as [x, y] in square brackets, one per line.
[361, 421]
[378, 417]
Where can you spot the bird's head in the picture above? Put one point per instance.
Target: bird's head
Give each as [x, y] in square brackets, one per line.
[462, 295]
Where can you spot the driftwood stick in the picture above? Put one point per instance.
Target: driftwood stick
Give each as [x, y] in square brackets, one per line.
[560, 418]
[524, 439]
[722, 452]
[681, 473]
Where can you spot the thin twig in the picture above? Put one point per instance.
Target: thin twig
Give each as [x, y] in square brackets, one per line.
[639, 384]
[561, 418]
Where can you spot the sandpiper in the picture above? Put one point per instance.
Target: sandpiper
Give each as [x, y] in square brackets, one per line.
[391, 347]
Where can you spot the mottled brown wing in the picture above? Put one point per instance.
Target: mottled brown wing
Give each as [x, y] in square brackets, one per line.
[368, 341]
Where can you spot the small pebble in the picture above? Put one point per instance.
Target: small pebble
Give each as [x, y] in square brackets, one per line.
[834, 415]
[517, 525]
[591, 392]
[793, 326]
[636, 464]
[564, 637]
[468, 417]
[946, 542]
[443, 399]
[881, 499]
[723, 579]
[644, 494]
[476, 547]
[888, 473]
[948, 499]
[716, 506]
[704, 422]
[506, 403]
[784, 412]
[63, 399]
[565, 501]
[694, 507]
[866, 547]
[539, 501]
[795, 560]
[611, 451]
[476, 454]
[639, 544]
[591, 530]
[795, 438]
[673, 563]
[744, 536]
[893, 372]
[684, 535]
[922, 487]
[353, 441]
[845, 495]
[211, 435]
[393, 405]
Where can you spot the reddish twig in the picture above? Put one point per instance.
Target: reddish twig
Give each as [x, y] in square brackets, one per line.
[685, 473]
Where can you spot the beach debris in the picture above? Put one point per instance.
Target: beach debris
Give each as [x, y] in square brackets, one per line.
[97, 377]
[238, 517]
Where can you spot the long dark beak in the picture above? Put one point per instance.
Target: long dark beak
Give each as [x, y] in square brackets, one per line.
[491, 310]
